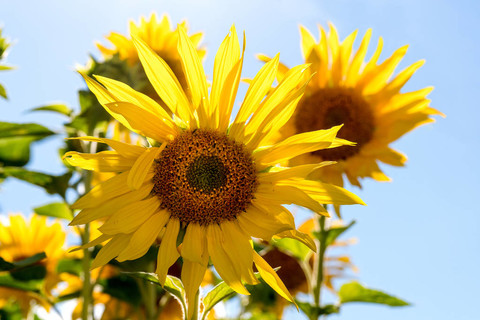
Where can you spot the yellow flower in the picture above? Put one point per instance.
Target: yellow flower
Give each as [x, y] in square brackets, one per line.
[20, 240]
[363, 97]
[159, 36]
[204, 184]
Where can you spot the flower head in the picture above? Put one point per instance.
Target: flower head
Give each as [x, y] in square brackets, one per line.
[204, 185]
[20, 240]
[362, 96]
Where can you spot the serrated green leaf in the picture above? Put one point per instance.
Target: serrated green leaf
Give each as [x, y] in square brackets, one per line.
[355, 292]
[15, 140]
[51, 184]
[58, 108]
[220, 292]
[295, 247]
[334, 233]
[55, 210]
[3, 92]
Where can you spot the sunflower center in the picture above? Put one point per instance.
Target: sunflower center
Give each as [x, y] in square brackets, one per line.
[206, 173]
[204, 177]
[329, 107]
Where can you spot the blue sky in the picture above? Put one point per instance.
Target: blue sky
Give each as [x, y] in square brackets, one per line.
[419, 235]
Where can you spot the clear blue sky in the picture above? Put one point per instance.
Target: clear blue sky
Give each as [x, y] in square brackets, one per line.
[419, 236]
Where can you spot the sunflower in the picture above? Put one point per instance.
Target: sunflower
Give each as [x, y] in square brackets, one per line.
[362, 96]
[19, 241]
[159, 36]
[205, 185]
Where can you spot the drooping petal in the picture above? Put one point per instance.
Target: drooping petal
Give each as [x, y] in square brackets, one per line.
[111, 250]
[194, 244]
[144, 236]
[139, 172]
[124, 149]
[192, 276]
[168, 253]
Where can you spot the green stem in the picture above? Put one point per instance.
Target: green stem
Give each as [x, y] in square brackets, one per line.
[318, 264]
[87, 287]
[150, 297]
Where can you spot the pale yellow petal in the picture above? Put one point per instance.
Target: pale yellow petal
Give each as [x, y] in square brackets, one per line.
[124, 149]
[139, 172]
[307, 42]
[193, 245]
[300, 236]
[264, 223]
[192, 276]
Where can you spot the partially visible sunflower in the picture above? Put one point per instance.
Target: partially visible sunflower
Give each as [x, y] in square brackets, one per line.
[208, 186]
[362, 96]
[20, 240]
[159, 36]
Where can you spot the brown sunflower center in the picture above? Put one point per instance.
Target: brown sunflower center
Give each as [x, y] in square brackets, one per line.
[330, 107]
[204, 177]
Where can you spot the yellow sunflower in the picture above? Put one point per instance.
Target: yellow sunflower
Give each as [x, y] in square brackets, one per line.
[204, 184]
[361, 95]
[20, 240]
[159, 36]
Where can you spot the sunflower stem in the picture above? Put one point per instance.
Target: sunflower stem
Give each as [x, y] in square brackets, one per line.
[150, 297]
[318, 264]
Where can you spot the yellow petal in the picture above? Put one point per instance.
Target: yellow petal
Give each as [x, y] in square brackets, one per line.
[125, 93]
[128, 218]
[256, 92]
[300, 236]
[237, 246]
[271, 277]
[307, 42]
[301, 171]
[296, 145]
[163, 80]
[221, 261]
[103, 192]
[167, 253]
[111, 206]
[124, 149]
[264, 223]
[144, 236]
[225, 61]
[111, 250]
[354, 68]
[192, 276]
[193, 70]
[93, 243]
[193, 245]
[104, 161]
[142, 166]
[145, 122]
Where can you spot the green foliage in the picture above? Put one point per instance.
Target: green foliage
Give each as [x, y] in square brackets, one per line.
[123, 288]
[15, 140]
[55, 210]
[220, 292]
[57, 108]
[51, 184]
[311, 310]
[355, 292]
[11, 311]
[72, 266]
[6, 280]
[26, 269]
[333, 233]
[294, 247]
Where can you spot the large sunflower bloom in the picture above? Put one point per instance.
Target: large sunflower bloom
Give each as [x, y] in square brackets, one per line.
[204, 185]
[20, 240]
[362, 96]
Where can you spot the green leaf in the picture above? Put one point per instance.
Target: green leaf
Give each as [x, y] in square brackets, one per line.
[30, 260]
[55, 210]
[295, 247]
[123, 288]
[30, 268]
[172, 284]
[220, 292]
[355, 292]
[58, 108]
[312, 310]
[51, 184]
[15, 140]
[72, 266]
[334, 233]
[6, 280]
[5, 265]
[3, 92]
